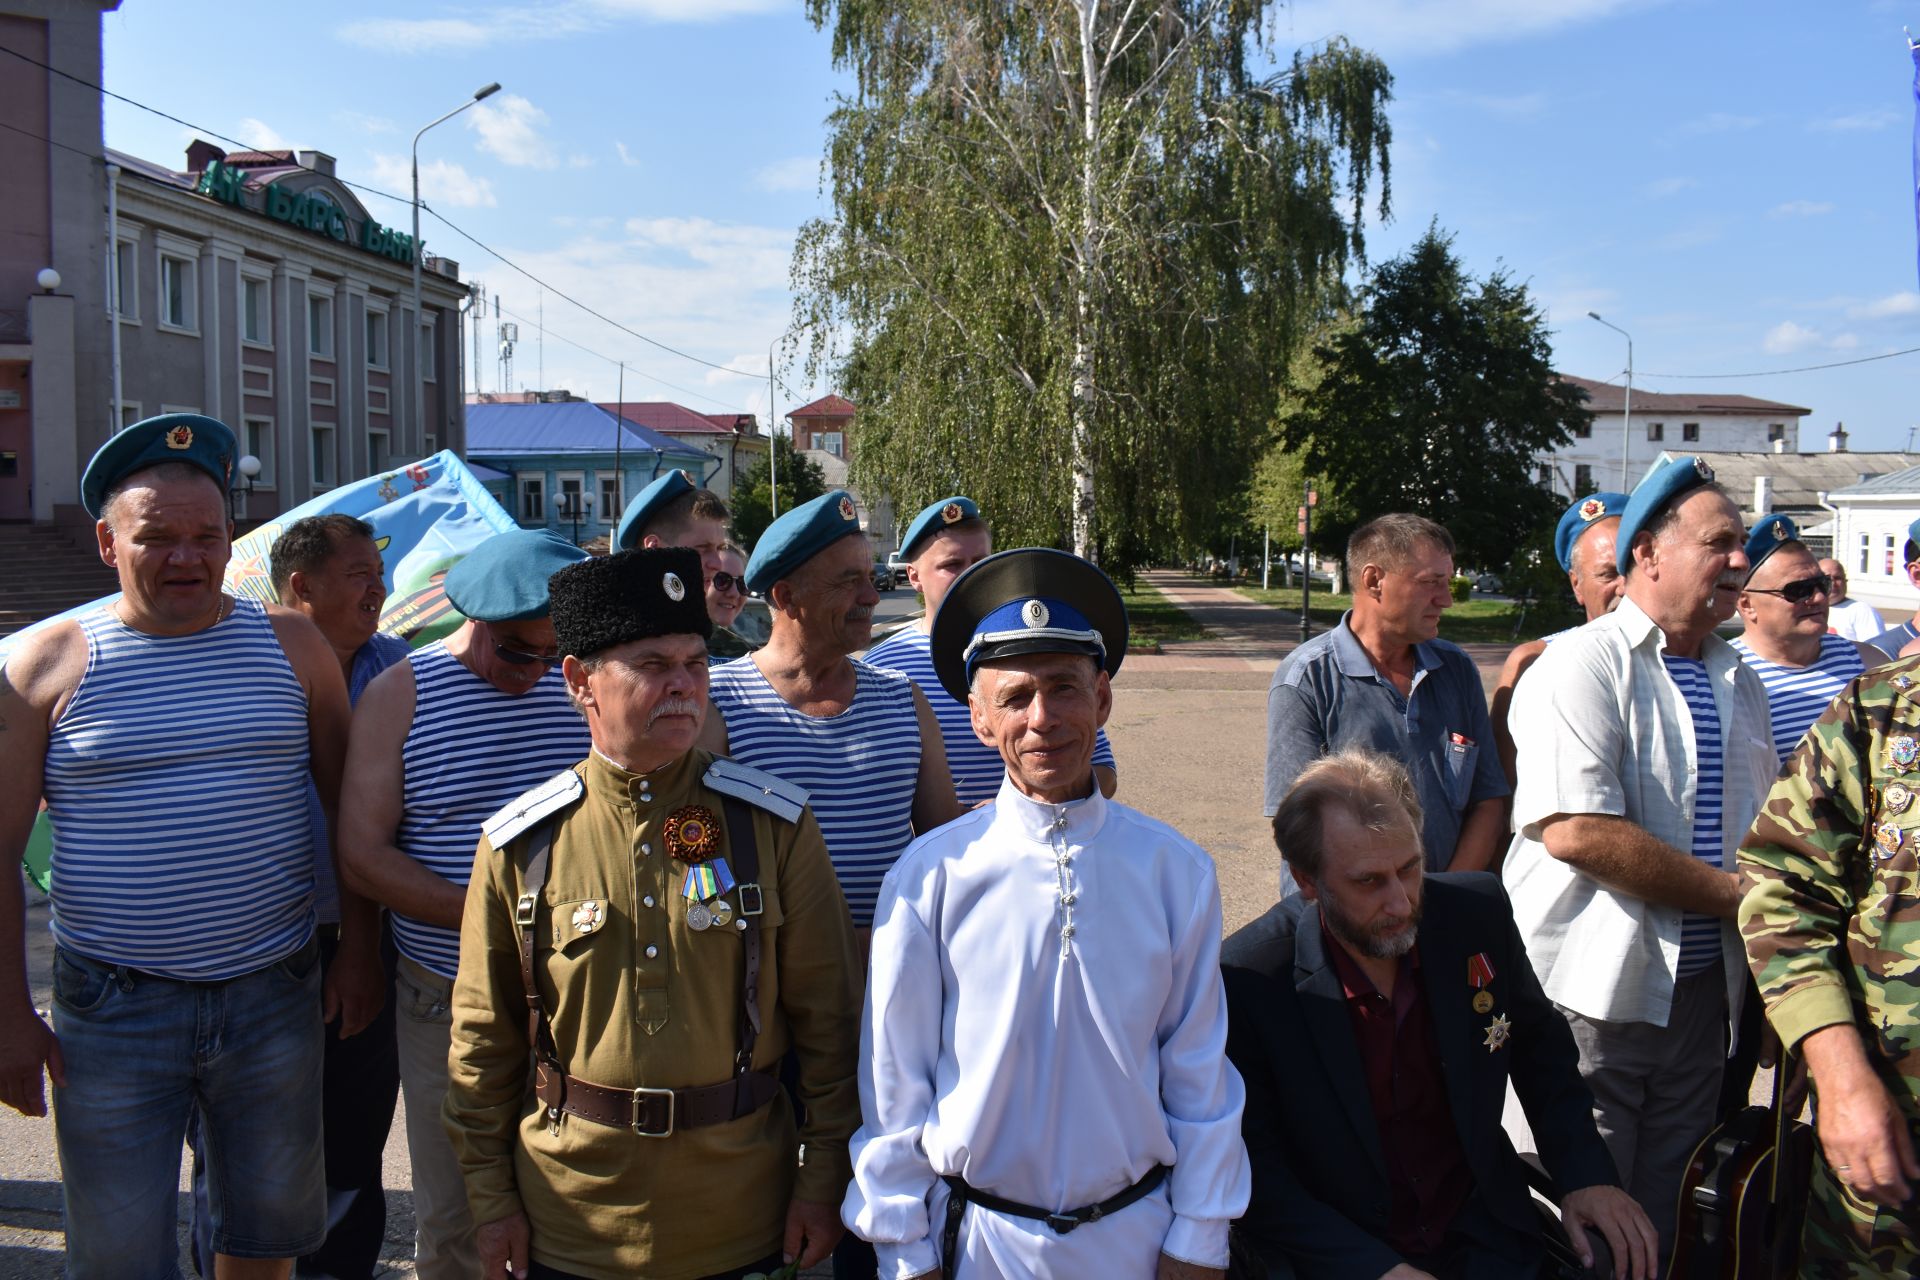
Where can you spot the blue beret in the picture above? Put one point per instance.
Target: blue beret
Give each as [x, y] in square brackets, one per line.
[1580, 517]
[504, 579]
[1768, 536]
[1029, 600]
[934, 517]
[799, 536]
[633, 521]
[1653, 495]
[1913, 538]
[198, 441]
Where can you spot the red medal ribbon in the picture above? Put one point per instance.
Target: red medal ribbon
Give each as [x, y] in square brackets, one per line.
[1479, 971]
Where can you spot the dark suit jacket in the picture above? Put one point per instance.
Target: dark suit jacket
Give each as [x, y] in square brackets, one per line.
[1320, 1195]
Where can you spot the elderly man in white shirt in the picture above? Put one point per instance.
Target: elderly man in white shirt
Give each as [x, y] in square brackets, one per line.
[1043, 1082]
[1645, 752]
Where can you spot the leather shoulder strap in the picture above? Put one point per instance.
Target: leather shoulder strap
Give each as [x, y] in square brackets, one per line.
[744, 848]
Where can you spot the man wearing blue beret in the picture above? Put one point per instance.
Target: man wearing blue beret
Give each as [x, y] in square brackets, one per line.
[1383, 679]
[1645, 752]
[1584, 544]
[440, 742]
[673, 511]
[946, 539]
[175, 733]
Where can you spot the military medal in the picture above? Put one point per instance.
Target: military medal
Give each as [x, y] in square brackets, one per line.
[693, 833]
[699, 919]
[722, 912]
[1497, 1032]
[1903, 683]
[586, 917]
[1897, 797]
[1480, 977]
[1903, 751]
[1888, 837]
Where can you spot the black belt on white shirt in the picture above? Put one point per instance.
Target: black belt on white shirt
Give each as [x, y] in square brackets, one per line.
[960, 1195]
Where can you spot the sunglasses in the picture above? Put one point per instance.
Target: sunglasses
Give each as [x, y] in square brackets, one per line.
[727, 582]
[1799, 591]
[518, 659]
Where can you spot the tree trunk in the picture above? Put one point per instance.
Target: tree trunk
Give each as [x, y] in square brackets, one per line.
[1085, 276]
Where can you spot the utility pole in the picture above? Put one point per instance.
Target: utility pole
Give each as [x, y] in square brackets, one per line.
[773, 439]
[1306, 561]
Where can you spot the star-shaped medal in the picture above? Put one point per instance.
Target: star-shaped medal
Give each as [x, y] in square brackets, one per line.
[1497, 1032]
[586, 917]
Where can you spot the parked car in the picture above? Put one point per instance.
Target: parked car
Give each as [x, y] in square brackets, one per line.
[882, 576]
[899, 568]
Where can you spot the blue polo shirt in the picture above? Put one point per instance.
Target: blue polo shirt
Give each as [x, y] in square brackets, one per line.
[1327, 696]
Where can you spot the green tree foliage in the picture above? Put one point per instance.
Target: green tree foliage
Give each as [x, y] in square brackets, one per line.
[752, 503]
[1436, 399]
[1073, 244]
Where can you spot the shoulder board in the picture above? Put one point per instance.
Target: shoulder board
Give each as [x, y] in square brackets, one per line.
[551, 796]
[743, 782]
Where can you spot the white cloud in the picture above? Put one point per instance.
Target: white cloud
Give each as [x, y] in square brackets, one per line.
[1718, 122]
[1787, 338]
[1410, 28]
[626, 157]
[364, 123]
[1858, 121]
[509, 129]
[1801, 209]
[1893, 306]
[577, 161]
[261, 136]
[1670, 186]
[544, 22]
[796, 173]
[441, 182]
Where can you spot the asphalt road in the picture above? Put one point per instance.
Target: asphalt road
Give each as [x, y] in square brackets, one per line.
[1188, 731]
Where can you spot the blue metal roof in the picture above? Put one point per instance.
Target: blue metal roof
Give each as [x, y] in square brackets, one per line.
[507, 430]
[485, 474]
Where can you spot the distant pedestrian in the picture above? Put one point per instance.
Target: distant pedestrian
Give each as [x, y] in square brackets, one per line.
[1854, 619]
[1383, 679]
[727, 588]
[175, 733]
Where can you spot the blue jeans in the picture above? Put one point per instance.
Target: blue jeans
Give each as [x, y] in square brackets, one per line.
[141, 1053]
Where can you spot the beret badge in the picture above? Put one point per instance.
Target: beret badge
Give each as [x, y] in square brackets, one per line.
[180, 437]
[1779, 533]
[1592, 509]
[846, 508]
[1701, 469]
[951, 513]
[671, 584]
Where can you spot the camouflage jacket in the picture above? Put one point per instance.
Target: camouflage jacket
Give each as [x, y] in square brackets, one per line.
[1831, 915]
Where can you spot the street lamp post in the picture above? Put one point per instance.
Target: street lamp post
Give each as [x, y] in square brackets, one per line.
[414, 346]
[249, 467]
[1626, 419]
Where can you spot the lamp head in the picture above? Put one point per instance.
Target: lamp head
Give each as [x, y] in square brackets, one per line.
[488, 91]
[1594, 315]
[48, 279]
[249, 466]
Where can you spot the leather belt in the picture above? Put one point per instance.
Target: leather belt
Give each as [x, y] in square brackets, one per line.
[960, 1195]
[659, 1113]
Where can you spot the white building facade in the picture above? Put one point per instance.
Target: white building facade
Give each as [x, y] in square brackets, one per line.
[1870, 535]
[1662, 423]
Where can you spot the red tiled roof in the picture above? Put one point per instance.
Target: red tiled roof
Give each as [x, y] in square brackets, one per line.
[738, 423]
[1605, 397]
[665, 415]
[827, 406]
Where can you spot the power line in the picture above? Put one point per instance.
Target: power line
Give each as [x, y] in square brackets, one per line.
[435, 213]
[91, 155]
[629, 365]
[1807, 368]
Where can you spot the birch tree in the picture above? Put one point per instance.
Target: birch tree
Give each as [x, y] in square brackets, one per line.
[1073, 243]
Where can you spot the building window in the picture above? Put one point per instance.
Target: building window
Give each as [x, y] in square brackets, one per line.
[320, 325]
[828, 442]
[176, 292]
[129, 414]
[1582, 478]
[1543, 476]
[256, 316]
[1866, 550]
[323, 475]
[427, 354]
[611, 501]
[377, 340]
[126, 277]
[533, 502]
[1656, 431]
[570, 502]
[1690, 432]
[1891, 561]
[379, 452]
[259, 443]
[1583, 431]
[1776, 431]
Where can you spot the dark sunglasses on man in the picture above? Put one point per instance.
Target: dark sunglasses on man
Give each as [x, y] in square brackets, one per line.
[727, 582]
[1800, 590]
[518, 659]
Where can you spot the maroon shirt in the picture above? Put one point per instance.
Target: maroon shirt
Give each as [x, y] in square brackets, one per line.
[1427, 1172]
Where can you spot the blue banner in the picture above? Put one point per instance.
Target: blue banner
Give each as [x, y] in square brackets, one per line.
[425, 517]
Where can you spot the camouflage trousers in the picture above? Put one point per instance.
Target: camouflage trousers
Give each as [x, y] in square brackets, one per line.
[1847, 1238]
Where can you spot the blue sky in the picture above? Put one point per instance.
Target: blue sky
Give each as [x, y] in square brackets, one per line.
[1728, 182]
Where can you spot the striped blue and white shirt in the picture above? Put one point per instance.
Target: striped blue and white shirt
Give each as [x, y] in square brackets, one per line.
[176, 781]
[471, 749]
[860, 768]
[1700, 935]
[976, 767]
[1797, 695]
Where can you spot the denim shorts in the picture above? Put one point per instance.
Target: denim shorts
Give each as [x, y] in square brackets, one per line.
[141, 1052]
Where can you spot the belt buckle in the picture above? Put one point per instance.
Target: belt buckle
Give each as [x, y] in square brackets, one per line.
[639, 1101]
[523, 910]
[1062, 1223]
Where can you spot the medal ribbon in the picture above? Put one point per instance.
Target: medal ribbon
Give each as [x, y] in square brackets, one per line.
[1479, 971]
[722, 875]
[701, 883]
